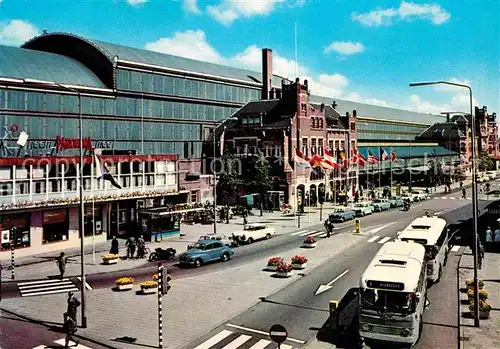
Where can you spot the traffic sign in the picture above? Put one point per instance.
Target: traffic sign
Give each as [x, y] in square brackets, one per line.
[278, 333]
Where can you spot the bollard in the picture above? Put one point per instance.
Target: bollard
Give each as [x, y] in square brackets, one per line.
[358, 226]
[332, 306]
[12, 261]
[160, 313]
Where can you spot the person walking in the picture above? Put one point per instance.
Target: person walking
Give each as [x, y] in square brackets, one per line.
[70, 328]
[480, 254]
[141, 247]
[496, 240]
[73, 305]
[463, 194]
[115, 246]
[489, 239]
[130, 247]
[61, 262]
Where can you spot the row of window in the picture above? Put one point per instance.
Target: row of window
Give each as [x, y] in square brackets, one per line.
[136, 107]
[391, 128]
[168, 85]
[386, 136]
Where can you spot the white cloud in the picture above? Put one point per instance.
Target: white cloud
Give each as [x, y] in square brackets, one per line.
[136, 2]
[189, 44]
[407, 11]
[345, 47]
[191, 6]
[16, 32]
[459, 102]
[229, 10]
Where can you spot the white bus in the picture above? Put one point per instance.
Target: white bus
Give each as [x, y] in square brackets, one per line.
[433, 234]
[393, 291]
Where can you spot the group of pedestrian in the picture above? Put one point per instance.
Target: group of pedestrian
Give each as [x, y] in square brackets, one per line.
[70, 324]
[136, 243]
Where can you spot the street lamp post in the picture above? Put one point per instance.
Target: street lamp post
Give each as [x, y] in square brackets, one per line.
[474, 190]
[82, 212]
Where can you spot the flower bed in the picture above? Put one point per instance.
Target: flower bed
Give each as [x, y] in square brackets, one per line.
[310, 242]
[110, 258]
[149, 287]
[155, 277]
[470, 284]
[284, 270]
[299, 262]
[273, 262]
[484, 309]
[124, 283]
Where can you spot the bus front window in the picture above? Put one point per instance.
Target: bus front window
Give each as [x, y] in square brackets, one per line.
[389, 300]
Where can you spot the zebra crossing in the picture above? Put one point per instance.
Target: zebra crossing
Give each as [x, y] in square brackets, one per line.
[45, 287]
[383, 240]
[227, 339]
[451, 198]
[62, 342]
[312, 233]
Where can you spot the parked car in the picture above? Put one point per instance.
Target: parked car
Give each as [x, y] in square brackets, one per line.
[396, 201]
[363, 208]
[226, 240]
[420, 195]
[205, 251]
[341, 215]
[253, 232]
[407, 196]
[380, 205]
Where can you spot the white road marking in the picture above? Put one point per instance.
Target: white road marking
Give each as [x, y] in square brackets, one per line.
[384, 240]
[299, 232]
[214, 340]
[455, 248]
[261, 332]
[373, 238]
[37, 288]
[440, 212]
[71, 344]
[286, 346]
[260, 344]
[40, 347]
[42, 282]
[308, 233]
[317, 234]
[87, 286]
[237, 342]
[400, 232]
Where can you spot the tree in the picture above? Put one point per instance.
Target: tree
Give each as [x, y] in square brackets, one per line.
[229, 178]
[485, 162]
[259, 180]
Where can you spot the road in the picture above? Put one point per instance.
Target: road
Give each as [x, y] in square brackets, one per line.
[19, 333]
[303, 313]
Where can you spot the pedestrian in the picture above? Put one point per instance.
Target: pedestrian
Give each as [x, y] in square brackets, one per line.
[141, 247]
[480, 254]
[496, 240]
[489, 239]
[130, 247]
[70, 328]
[73, 305]
[463, 194]
[115, 246]
[61, 262]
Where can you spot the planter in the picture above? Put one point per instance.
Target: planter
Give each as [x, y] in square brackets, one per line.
[110, 261]
[281, 274]
[151, 290]
[299, 265]
[484, 314]
[309, 245]
[125, 287]
[272, 267]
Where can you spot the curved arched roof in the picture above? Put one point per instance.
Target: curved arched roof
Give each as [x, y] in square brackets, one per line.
[18, 63]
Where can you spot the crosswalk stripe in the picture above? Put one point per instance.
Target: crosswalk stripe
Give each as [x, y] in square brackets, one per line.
[47, 286]
[323, 235]
[286, 346]
[308, 233]
[384, 240]
[87, 286]
[373, 238]
[237, 342]
[317, 234]
[260, 344]
[299, 232]
[214, 340]
[42, 282]
[71, 343]
[49, 292]
[44, 287]
[455, 248]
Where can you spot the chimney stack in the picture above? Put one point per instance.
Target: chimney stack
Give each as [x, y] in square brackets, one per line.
[322, 106]
[267, 72]
[354, 113]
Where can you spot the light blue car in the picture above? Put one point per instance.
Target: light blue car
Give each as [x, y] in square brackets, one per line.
[380, 205]
[205, 251]
[396, 201]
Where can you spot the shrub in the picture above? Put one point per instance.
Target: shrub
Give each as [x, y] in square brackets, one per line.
[483, 306]
[149, 284]
[483, 295]
[273, 261]
[309, 240]
[299, 259]
[124, 281]
[284, 268]
[470, 283]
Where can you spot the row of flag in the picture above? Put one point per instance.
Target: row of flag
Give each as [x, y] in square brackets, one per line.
[329, 162]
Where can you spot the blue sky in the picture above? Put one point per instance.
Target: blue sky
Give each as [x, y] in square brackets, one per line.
[366, 51]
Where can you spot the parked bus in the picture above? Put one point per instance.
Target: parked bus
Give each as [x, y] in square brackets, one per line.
[433, 234]
[393, 291]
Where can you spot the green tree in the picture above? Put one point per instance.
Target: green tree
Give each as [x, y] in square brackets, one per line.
[485, 162]
[229, 178]
[259, 180]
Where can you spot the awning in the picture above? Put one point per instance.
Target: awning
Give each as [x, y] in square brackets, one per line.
[164, 211]
[413, 151]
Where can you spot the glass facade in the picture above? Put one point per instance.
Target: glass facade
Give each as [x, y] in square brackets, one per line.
[388, 131]
[178, 86]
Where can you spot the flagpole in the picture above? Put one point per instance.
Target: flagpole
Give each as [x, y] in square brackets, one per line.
[390, 159]
[93, 218]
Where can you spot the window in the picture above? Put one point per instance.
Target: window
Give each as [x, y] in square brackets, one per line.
[330, 146]
[194, 196]
[22, 222]
[55, 226]
[313, 146]
[93, 220]
[320, 146]
[303, 107]
[305, 148]
[353, 126]
[336, 145]
[277, 150]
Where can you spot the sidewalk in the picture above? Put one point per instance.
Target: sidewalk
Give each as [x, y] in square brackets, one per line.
[46, 265]
[487, 336]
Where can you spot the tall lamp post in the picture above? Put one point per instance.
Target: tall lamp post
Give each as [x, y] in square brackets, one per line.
[474, 189]
[82, 212]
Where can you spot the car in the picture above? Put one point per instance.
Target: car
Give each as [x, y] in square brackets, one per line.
[380, 205]
[492, 174]
[396, 201]
[253, 232]
[363, 208]
[420, 195]
[407, 196]
[205, 251]
[341, 215]
[226, 240]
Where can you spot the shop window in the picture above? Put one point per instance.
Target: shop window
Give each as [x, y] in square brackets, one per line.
[55, 226]
[5, 189]
[194, 196]
[93, 220]
[21, 221]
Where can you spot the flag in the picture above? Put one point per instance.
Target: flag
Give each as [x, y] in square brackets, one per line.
[222, 141]
[301, 160]
[394, 158]
[103, 172]
[316, 161]
[360, 159]
[372, 159]
[383, 155]
[330, 159]
[343, 159]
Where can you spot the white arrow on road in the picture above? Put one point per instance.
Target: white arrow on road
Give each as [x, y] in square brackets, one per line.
[376, 230]
[323, 288]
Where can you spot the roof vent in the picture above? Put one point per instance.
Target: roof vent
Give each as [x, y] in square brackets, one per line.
[392, 261]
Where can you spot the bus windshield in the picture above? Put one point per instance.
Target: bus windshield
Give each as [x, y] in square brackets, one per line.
[389, 300]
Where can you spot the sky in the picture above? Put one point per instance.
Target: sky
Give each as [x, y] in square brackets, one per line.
[365, 50]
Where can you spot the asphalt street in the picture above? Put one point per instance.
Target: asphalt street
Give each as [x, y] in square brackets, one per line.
[303, 313]
[19, 333]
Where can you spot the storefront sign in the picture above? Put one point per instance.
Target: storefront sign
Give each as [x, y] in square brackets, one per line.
[62, 143]
[398, 286]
